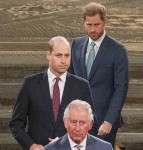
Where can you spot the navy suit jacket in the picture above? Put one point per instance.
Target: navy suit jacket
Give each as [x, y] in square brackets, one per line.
[34, 107]
[108, 78]
[92, 143]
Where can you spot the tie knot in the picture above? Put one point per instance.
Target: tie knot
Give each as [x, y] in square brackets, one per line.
[57, 79]
[78, 147]
[92, 44]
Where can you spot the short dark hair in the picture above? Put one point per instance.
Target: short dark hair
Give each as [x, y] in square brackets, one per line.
[92, 9]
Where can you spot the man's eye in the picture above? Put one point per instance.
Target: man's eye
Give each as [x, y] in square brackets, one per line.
[67, 55]
[82, 123]
[74, 122]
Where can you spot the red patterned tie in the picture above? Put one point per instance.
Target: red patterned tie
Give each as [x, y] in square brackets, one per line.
[56, 97]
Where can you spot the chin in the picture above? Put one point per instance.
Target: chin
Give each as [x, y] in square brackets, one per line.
[77, 141]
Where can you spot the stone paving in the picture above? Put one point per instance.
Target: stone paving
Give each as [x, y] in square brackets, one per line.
[27, 25]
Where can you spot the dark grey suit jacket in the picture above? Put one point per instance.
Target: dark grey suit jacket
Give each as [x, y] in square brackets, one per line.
[34, 107]
[108, 78]
[92, 143]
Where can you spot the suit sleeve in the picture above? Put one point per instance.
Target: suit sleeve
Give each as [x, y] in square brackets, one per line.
[121, 80]
[18, 121]
[88, 98]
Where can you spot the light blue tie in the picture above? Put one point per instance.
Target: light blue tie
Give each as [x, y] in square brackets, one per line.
[90, 58]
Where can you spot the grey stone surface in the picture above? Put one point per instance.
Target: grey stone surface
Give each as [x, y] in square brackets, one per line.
[20, 19]
[27, 25]
[132, 118]
[132, 141]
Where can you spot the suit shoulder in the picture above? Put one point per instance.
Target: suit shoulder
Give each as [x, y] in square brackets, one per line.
[114, 42]
[77, 78]
[53, 145]
[80, 39]
[34, 77]
[98, 140]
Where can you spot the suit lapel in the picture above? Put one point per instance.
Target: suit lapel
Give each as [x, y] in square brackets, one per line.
[64, 143]
[91, 143]
[103, 48]
[83, 48]
[46, 94]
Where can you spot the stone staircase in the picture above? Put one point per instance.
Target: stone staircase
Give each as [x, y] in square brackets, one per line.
[23, 37]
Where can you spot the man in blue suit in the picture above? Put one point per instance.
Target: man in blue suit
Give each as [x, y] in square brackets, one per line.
[34, 105]
[106, 71]
[78, 120]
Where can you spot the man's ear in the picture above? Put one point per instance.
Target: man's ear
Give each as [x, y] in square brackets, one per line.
[48, 54]
[65, 122]
[91, 124]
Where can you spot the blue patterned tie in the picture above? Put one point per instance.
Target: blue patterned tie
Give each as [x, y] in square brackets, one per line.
[90, 58]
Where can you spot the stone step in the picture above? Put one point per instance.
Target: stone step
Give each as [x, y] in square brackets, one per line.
[135, 91]
[132, 117]
[7, 142]
[5, 115]
[131, 141]
[42, 46]
[23, 46]
[123, 27]
[135, 63]
[17, 64]
[9, 91]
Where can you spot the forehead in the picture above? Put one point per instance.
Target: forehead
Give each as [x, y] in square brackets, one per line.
[93, 18]
[61, 46]
[81, 114]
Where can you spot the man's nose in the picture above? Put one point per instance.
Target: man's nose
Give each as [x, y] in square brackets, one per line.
[63, 59]
[77, 126]
[93, 28]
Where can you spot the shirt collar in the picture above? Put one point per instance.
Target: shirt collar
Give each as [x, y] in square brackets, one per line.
[51, 76]
[72, 144]
[99, 41]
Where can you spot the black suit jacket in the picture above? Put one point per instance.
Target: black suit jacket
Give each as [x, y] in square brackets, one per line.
[34, 107]
[108, 78]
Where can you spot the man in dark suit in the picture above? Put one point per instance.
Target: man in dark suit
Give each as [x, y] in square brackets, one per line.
[106, 71]
[78, 120]
[34, 105]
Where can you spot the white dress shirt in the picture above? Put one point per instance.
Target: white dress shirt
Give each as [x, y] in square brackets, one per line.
[97, 42]
[61, 83]
[73, 144]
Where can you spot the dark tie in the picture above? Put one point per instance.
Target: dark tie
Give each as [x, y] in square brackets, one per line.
[56, 97]
[90, 58]
[78, 147]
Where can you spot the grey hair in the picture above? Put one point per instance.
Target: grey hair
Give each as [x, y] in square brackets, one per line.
[55, 39]
[76, 104]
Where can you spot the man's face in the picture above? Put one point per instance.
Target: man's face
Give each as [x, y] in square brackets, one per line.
[59, 58]
[78, 125]
[94, 26]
